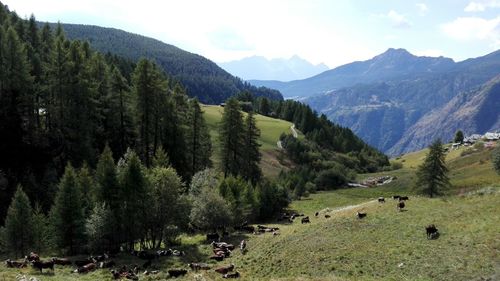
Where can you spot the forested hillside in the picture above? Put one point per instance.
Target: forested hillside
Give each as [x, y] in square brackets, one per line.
[201, 77]
[87, 150]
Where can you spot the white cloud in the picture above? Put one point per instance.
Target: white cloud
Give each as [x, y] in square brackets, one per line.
[474, 28]
[398, 20]
[482, 5]
[422, 7]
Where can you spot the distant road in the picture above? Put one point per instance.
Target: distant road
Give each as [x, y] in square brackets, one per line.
[294, 133]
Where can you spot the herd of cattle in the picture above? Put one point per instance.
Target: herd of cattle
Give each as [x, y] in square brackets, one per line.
[221, 250]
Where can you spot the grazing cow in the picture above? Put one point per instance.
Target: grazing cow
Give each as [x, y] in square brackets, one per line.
[61, 261]
[177, 272]
[231, 275]
[402, 198]
[401, 205]
[327, 216]
[395, 197]
[32, 257]
[43, 264]
[15, 264]
[213, 236]
[198, 266]
[360, 215]
[83, 262]
[86, 268]
[217, 257]
[381, 200]
[305, 220]
[432, 231]
[316, 214]
[225, 269]
[106, 264]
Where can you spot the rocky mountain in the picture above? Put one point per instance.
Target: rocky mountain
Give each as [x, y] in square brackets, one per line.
[394, 63]
[257, 67]
[404, 113]
[202, 77]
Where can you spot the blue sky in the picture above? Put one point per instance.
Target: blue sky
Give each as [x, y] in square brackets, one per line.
[334, 32]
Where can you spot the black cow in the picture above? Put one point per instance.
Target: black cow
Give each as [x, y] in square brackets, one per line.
[401, 205]
[402, 198]
[432, 231]
[381, 200]
[43, 264]
[217, 257]
[360, 215]
[316, 214]
[327, 216]
[177, 272]
[395, 197]
[305, 220]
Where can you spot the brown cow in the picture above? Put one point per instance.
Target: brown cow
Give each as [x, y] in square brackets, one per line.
[32, 257]
[43, 264]
[86, 268]
[225, 269]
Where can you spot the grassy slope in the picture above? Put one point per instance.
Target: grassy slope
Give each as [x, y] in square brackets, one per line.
[270, 129]
[387, 245]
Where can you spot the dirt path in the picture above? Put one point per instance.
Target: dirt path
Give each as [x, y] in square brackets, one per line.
[347, 208]
[294, 133]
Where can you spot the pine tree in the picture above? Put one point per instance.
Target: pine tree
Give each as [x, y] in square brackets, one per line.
[99, 228]
[432, 176]
[86, 185]
[231, 136]
[161, 159]
[199, 146]
[66, 216]
[459, 137]
[19, 224]
[120, 100]
[251, 154]
[40, 230]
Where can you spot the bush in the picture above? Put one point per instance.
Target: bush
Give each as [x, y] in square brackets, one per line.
[331, 179]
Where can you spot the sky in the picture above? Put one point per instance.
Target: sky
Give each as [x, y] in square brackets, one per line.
[333, 32]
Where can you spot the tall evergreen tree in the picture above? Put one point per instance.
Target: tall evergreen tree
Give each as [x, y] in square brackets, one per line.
[198, 141]
[86, 185]
[108, 189]
[432, 176]
[251, 154]
[231, 136]
[149, 88]
[19, 224]
[133, 185]
[459, 137]
[66, 216]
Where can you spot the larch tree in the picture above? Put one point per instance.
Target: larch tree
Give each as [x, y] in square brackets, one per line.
[66, 216]
[231, 137]
[19, 224]
[198, 141]
[432, 178]
[251, 154]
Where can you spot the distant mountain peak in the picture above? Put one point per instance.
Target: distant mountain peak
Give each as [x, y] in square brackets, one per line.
[281, 69]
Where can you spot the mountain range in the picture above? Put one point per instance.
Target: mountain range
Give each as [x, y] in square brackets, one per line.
[399, 102]
[257, 67]
[201, 77]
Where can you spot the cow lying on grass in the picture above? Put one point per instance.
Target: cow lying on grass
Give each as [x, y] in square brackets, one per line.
[231, 275]
[198, 266]
[177, 272]
[15, 264]
[225, 269]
